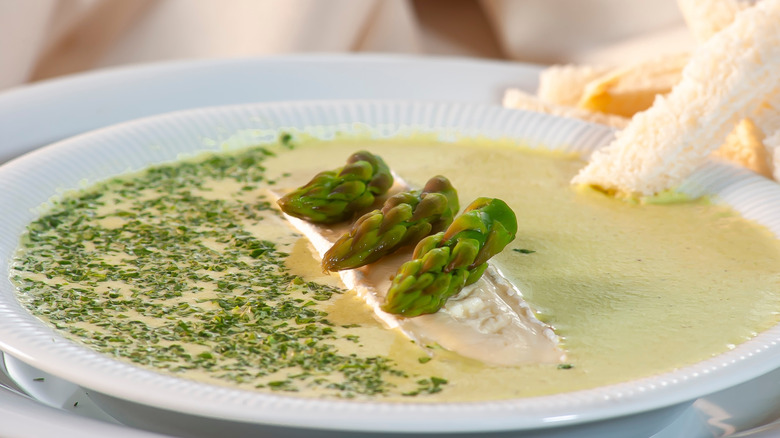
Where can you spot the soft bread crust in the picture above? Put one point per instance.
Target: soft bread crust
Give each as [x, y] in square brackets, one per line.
[767, 121]
[772, 144]
[517, 99]
[565, 84]
[767, 117]
[745, 146]
[628, 90]
[727, 78]
[705, 18]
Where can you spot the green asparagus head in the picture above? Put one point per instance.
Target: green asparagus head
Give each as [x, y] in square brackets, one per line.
[404, 219]
[445, 262]
[490, 222]
[335, 195]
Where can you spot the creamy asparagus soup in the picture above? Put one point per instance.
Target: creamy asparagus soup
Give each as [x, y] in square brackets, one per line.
[189, 269]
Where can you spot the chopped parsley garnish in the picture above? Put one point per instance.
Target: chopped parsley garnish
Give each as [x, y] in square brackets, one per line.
[285, 139]
[428, 386]
[160, 270]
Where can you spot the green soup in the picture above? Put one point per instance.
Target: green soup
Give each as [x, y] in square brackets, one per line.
[188, 269]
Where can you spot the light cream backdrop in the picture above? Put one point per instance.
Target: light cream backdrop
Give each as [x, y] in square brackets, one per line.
[46, 38]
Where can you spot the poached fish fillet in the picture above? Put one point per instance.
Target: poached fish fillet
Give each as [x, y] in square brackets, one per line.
[488, 321]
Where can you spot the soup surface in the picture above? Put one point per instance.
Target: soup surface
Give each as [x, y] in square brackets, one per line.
[187, 268]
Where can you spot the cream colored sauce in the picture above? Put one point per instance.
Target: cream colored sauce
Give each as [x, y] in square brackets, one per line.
[633, 290]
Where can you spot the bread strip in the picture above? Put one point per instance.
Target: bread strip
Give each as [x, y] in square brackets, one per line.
[772, 144]
[517, 99]
[628, 90]
[727, 79]
[565, 84]
[745, 146]
[767, 118]
[705, 18]
[767, 121]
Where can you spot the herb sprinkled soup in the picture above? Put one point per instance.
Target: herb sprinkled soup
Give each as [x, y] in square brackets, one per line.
[190, 268]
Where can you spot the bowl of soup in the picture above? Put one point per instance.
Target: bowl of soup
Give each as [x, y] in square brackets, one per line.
[148, 263]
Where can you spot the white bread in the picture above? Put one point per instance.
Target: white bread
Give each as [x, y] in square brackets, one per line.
[767, 120]
[767, 117]
[772, 144]
[750, 144]
[705, 18]
[517, 99]
[745, 146]
[727, 79]
[628, 90]
[564, 84]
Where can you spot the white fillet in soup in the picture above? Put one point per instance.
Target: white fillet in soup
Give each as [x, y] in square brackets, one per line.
[189, 268]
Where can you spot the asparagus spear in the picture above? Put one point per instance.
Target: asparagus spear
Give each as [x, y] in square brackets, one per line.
[504, 332]
[445, 262]
[335, 195]
[404, 219]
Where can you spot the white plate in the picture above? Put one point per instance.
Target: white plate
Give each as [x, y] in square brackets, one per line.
[44, 112]
[48, 111]
[32, 179]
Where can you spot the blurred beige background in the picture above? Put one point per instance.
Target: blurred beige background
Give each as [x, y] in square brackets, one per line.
[41, 39]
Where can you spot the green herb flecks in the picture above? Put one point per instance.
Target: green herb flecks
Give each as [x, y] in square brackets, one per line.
[428, 386]
[159, 269]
